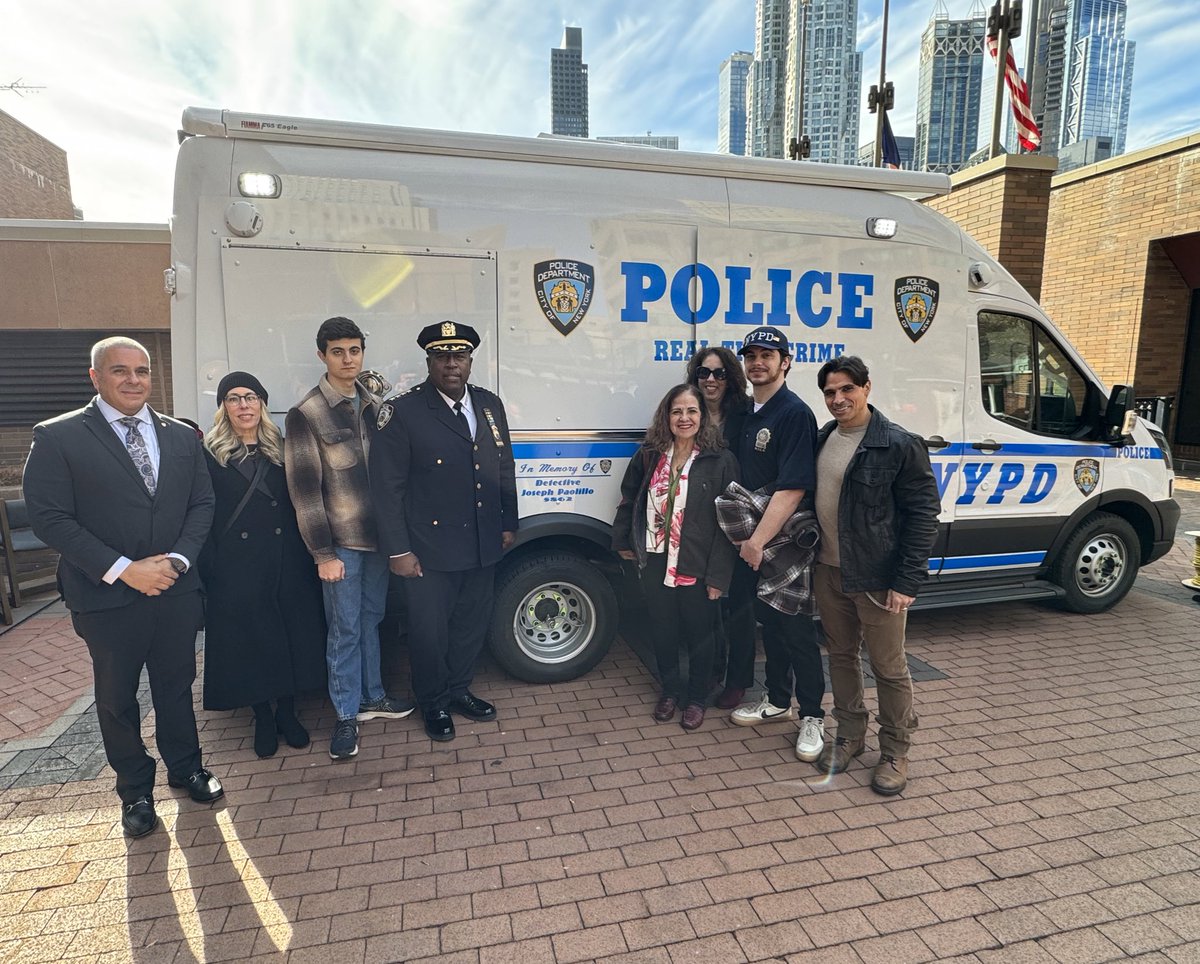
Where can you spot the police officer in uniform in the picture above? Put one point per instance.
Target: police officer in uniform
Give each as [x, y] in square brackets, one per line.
[444, 488]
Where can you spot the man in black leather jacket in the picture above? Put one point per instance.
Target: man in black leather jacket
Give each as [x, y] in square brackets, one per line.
[877, 504]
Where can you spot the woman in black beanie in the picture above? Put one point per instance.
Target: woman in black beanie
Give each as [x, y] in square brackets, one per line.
[264, 636]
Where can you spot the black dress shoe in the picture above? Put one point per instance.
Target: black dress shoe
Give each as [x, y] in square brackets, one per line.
[201, 786]
[138, 818]
[439, 725]
[473, 708]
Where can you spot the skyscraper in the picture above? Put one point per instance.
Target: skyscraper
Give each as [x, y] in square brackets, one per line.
[1046, 91]
[569, 85]
[1098, 73]
[832, 79]
[731, 102]
[949, 84]
[1083, 76]
[766, 97]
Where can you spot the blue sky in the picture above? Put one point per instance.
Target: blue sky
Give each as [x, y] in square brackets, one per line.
[117, 75]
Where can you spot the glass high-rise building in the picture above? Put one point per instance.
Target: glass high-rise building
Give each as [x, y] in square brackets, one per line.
[949, 84]
[1083, 75]
[569, 86]
[832, 71]
[731, 102]
[767, 97]
[1098, 73]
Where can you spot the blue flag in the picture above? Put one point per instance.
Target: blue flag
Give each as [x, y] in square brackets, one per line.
[891, 151]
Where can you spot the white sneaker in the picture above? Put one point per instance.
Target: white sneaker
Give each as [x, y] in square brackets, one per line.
[811, 740]
[764, 712]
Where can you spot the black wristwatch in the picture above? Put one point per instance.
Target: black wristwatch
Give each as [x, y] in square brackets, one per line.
[177, 564]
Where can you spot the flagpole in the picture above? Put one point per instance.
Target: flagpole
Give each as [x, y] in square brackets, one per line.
[882, 79]
[1001, 9]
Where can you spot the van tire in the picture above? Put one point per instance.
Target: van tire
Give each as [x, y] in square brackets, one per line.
[1098, 563]
[555, 616]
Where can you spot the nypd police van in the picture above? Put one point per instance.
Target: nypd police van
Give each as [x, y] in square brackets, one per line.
[593, 271]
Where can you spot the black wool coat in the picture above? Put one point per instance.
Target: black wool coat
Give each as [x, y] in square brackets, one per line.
[264, 617]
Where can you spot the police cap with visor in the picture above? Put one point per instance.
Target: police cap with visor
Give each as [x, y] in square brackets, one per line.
[446, 336]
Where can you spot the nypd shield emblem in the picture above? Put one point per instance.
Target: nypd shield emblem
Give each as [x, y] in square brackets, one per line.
[605, 465]
[1087, 475]
[916, 305]
[564, 292]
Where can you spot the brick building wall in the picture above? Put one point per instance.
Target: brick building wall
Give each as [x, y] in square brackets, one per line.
[1002, 204]
[34, 181]
[84, 281]
[1106, 284]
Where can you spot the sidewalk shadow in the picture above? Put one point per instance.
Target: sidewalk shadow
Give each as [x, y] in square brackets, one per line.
[202, 873]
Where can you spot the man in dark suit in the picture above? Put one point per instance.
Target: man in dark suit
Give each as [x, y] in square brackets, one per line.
[444, 487]
[123, 494]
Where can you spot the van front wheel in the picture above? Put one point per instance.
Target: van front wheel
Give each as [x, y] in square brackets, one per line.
[1098, 564]
[554, 619]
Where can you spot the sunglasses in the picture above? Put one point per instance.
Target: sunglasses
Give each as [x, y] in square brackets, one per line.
[703, 374]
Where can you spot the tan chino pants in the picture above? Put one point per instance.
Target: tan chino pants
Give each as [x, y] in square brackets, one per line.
[849, 620]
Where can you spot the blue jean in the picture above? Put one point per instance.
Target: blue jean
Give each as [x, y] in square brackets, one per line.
[354, 608]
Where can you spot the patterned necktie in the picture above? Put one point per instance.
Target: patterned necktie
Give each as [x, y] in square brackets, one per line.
[462, 417]
[138, 452]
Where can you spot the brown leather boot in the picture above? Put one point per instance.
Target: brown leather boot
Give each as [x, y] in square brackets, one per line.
[836, 756]
[891, 775]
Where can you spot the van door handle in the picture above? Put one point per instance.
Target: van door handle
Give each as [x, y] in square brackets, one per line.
[935, 442]
[987, 445]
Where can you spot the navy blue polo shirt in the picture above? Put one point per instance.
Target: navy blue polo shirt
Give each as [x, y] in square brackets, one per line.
[777, 445]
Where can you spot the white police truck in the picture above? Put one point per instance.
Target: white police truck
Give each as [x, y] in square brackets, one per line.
[593, 271]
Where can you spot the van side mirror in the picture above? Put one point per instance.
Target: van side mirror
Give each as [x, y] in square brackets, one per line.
[1116, 423]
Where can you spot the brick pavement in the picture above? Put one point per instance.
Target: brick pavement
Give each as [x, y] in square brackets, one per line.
[1054, 815]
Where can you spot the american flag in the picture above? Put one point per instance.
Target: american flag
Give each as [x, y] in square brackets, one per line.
[1028, 134]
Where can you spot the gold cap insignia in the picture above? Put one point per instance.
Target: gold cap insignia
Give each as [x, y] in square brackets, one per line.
[449, 330]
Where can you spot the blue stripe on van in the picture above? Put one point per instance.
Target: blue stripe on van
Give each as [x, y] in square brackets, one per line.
[574, 450]
[1051, 449]
[998, 561]
[595, 450]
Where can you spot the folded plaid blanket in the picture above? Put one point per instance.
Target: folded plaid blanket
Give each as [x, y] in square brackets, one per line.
[785, 576]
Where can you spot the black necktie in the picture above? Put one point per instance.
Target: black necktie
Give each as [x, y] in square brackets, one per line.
[462, 417]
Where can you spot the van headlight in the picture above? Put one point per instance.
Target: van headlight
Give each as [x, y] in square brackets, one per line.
[1162, 444]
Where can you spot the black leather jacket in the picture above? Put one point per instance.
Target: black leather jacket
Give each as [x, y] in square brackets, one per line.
[887, 510]
[704, 552]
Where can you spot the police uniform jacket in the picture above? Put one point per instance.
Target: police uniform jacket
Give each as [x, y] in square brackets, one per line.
[437, 492]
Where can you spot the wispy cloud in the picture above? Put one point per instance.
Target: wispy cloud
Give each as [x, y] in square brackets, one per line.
[121, 75]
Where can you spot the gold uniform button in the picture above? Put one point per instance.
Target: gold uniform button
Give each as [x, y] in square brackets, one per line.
[439, 461]
[479, 485]
[478, 505]
[476, 466]
[435, 521]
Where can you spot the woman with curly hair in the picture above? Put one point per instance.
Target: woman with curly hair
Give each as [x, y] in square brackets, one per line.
[717, 372]
[667, 523]
[264, 636]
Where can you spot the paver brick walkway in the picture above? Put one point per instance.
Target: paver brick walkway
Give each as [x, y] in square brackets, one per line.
[1053, 815]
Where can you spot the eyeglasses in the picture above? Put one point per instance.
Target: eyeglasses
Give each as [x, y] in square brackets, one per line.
[248, 399]
[703, 374]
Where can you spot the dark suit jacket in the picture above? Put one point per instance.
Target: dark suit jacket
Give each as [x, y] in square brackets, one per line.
[86, 500]
[438, 492]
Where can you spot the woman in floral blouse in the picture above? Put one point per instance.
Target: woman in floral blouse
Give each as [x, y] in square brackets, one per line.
[667, 523]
